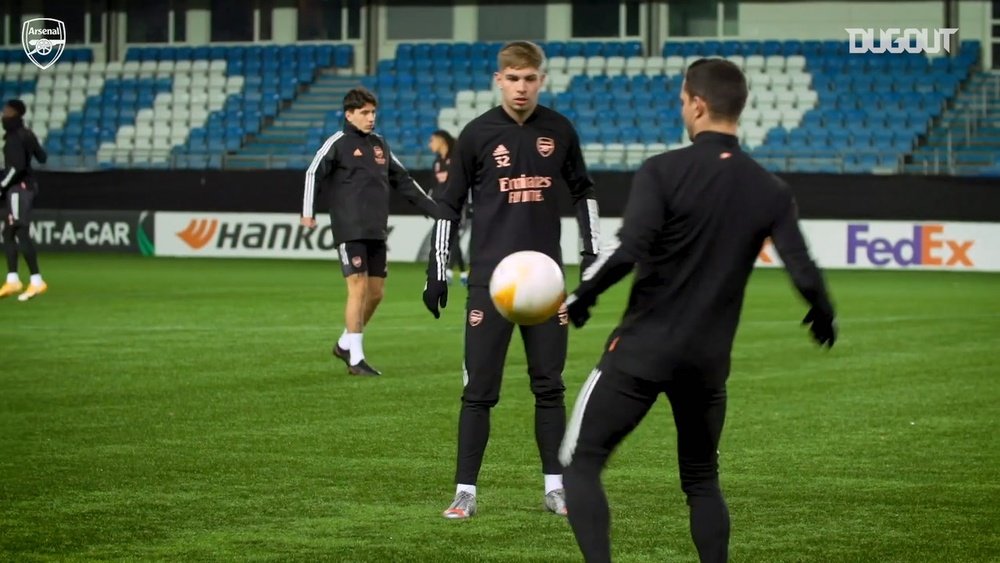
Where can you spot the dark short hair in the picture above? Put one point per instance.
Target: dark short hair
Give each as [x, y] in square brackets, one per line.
[721, 84]
[446, 137]
[18, 106]
[357, 98]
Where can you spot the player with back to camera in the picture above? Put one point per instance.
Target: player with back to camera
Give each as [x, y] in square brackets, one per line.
[510, 161]
[441, 144]
[18, 187]
[353, 172]
[694, 224]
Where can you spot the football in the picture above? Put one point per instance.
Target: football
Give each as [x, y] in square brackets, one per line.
[527, 287]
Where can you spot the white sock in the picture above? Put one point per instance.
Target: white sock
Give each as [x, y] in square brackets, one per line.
[36, 279]
[12, 277]
[552, 483]
[357, 351]
[471, 489]
[344, 343]
[465, 275]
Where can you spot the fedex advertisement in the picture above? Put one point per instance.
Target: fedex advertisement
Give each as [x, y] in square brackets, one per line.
[919, 245]
[912, 245]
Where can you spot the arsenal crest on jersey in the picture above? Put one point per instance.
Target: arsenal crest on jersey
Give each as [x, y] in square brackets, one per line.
[475, 317]
[545, 146]
[379, 155]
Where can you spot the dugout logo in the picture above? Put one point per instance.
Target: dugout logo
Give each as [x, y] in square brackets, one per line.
[927, 245]
[894, 40]
[43, 40]
[199, 232]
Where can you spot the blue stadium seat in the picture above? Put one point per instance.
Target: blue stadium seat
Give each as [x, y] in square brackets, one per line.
[772, 47]
[711, 47]
[344, 56]
[731, 47]
[692, 48]
[751, 48]
[632, 49]
[671, 49]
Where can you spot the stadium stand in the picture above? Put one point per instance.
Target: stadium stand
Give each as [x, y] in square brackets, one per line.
[162, 106]
[813, 107]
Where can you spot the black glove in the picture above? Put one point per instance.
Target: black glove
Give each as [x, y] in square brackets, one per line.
[586, 261]
[435, 294]
[822, 325]
[578, 309]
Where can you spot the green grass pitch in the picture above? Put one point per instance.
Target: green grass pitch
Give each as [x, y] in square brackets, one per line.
[189, 410]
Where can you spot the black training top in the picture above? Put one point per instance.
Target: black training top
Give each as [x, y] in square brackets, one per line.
[353, 172]
[694, 224]
[20, 144]
[510, 172]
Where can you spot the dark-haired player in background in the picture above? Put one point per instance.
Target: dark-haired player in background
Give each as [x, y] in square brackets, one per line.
[353, 172]
[442, 144]
[18, 187]
[693, 226]
[511, 161]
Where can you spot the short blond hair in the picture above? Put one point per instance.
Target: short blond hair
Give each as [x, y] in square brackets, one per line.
[520, 54]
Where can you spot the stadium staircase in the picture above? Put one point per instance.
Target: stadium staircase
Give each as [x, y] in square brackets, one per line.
[313, 115]
[966, 140]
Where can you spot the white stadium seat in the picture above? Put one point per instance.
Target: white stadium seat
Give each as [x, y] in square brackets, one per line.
[654, 65]
[558, 82]
[635, 66]
[674, 64]
[556, 64]
[576, 65]
[616, 65]
[795, 62]
[800, 80]
[754, 63]
[775, 63]
[780, 81]
[596, 65]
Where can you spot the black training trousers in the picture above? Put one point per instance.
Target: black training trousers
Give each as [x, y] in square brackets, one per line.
[18, 206]
[609, 407]
[487, 337]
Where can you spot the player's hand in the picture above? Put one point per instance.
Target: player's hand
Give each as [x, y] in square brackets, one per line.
[822, 325]
[435, 295]
[308, 222]
[578, 310]
[586, 261]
